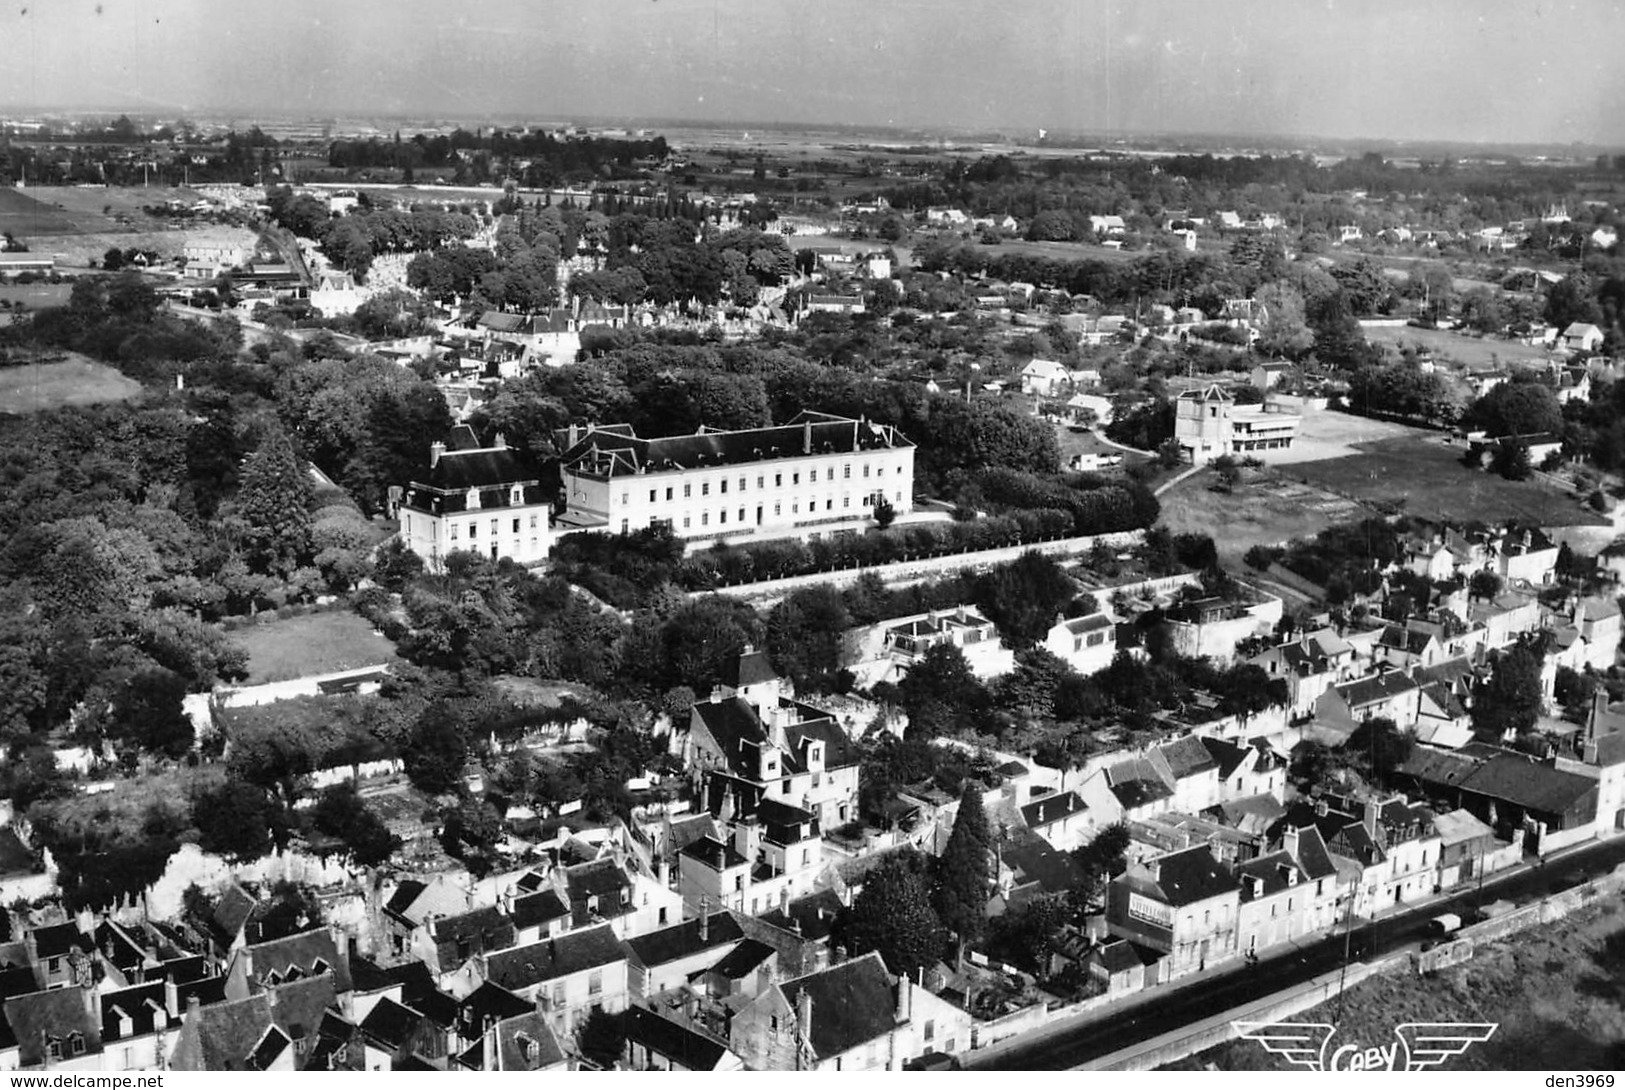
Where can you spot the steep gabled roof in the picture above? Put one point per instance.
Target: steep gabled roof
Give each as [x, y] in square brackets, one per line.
[1052, 808]
[683, 1045]
[551, 959]
[749, 667]
[1534, 785]
[1188, 757]
[538, 909]
[1227, 756]
[682, 940]
[852, 1003]
[306, 954]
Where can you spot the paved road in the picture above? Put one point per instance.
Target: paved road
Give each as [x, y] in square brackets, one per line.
[1108, 1032]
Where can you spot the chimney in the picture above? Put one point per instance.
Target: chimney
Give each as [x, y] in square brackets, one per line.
[172, 998]
[1370, 816]
[905, 1000]
[1320, 807]
[1289, 841]
[501, 441]
[784, 899]
[193, 1005]
[705, 923]
[571, 436]
[436, 449]
[804, 1012]
[663, 873]
[806, 437]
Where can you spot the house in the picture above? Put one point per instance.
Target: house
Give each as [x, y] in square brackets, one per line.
[1246, 770]
[1120, 966]
[885, 651]
[413, 904]
[1405, 648]
[669, 957]
[569, 976]
[1212, 626]
[1087, 644]
[1598, 619]
[258, 967]
[236, 1035]
[1061, 819]
[767, 745]
[1388, 695]
[1107, 226]
[523, 1041]
[477, 499]
[447, 943]
[1185, 905]
[394, 1034]
[1045, 378]
[1310, 664]
[1208, 424]
[657, 1043]
[1288, 894]
[335, 293]
[62, 955]
[1270, 373]
[1582, 337]
[536, 916]
[1091, 410]
[1466, 846]
[854, 1016]
[1549, 801]
[815, 475]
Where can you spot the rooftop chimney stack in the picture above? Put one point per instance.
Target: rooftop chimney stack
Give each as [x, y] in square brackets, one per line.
[904, 1000]
[804, 1005]
[806, 437]
[436, 449]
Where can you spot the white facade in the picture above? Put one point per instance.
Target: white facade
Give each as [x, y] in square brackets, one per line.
[1208, 424]
[480, 501]
[819, 475]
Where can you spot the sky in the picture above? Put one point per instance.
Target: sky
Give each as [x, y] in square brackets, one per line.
[1492, 71]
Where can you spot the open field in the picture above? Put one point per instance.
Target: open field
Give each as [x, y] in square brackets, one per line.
[1263, 510]
[74, 381]
[318, 643]
[1459, 347]
[27, 218]
[1427, 478]
[1326, 434]
[1555, 992]
[35, 296]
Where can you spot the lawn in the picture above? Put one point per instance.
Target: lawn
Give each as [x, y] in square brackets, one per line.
[317, 643]
[1424, 476]
[1555, 992]
[74, 381]
[29, 218]
[1328, 434]
[1265, 509]
[1458, 347]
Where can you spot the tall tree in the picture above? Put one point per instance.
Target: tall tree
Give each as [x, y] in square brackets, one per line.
[965, 871]
[274, 502]
[892, 914]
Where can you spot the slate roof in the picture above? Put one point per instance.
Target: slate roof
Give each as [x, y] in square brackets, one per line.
[733, 721]
[489, 467]
[1372, 690]
[714, 854]
[538, 909]
[750, 667]
[814, 914]
[682, 940]
[1523, 781]
[1227, 756]
[58, 940]
[852, 1003]
[603, 453]
[307, 952]
[1314, 858]
[57, 1013]
[512, 1034]
[226, 1035]
[483, 929]
[489, 1001]
[391, 1024]
[1437, 766]
[601, 878]
[1132, 794]
[1271, 871]
[1035, 861]
[683, 1046]
[1052, 808]
[686, 831]
[300, 1006]
[1458, 826]
[139, 1004]
[742, 959]
[550, 959]
[1188, 757]
[1120, 956]
[1185, 877]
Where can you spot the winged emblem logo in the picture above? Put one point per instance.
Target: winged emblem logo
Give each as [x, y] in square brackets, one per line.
[1417, 1046]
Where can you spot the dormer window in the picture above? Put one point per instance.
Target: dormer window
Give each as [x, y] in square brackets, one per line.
[516, 496]
[319, 967]
[473, 501]
[527, 1048]
[53, 1048]
[76, 1044]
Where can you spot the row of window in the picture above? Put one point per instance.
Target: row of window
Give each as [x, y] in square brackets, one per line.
[761, 483]
[743, 515]
[474, 528]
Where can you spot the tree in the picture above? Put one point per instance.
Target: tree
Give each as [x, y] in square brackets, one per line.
[1024, 597]
[1377, 747]
[1516, 408]
[602, 1039]
[885, 513]
[964, 878]
[340, 813]
[892, 915]
[1511, 460]
[1106, 855]
[1285, 331]
[940, 694]
[1509, 703]
[235, 820]
[1484, 585]
[437, 751]
[274, 502]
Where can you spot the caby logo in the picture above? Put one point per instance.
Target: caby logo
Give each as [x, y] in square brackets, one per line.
[1417, 1046]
